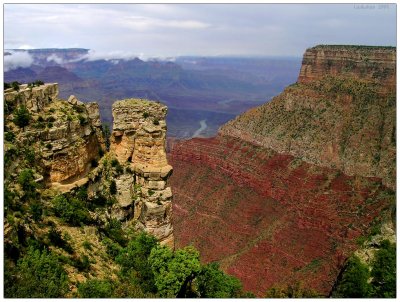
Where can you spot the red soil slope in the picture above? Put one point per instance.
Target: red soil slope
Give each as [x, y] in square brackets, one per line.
[268, 218]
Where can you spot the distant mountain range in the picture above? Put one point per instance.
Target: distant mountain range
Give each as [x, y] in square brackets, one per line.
[220, 87]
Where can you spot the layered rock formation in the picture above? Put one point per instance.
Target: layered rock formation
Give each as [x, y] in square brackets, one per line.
[67, 136]
[286, 190]
[33, 98]
[369, 63]
[340, 113]
[138, 140]
[67, 141]
[270, 219]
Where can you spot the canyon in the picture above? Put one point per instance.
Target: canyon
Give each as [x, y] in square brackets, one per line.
[282, 196]
[194, 88]
[287, 191]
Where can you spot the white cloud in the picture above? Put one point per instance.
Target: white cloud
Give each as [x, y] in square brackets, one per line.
[55, 59]
[16, 60]
[26, 46]
[111, 55]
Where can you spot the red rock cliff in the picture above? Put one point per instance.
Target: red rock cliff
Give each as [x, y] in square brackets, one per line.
[270, 219]
[286, 189]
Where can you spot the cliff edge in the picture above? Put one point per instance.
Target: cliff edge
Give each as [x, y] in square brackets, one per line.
[340, 113]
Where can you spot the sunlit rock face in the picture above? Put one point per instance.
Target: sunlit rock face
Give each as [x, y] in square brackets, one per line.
[138, 138]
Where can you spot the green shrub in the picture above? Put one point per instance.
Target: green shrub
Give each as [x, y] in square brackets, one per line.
[214, 283]
[82, 120]
[156, 122]
[39, 274]
[87, 245]
[113, 249]
[107, 134]
[113, 187]
[57, 240]
[384, 271]
[135, 257]
[15, 85]
[113, 230]
[174, 272]
[95, 289]
[27, 183]
[114, 162]
[30, 155]
[146, 114]
[82, 194]
[9, 136]
[353, 282]
[22, 117]
[82, 264]
[71, 210]
[36, 210]
[119, 169]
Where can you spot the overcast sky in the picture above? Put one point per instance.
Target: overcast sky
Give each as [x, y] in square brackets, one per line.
[162, 30]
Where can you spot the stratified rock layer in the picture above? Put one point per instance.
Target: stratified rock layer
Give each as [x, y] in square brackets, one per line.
[67, 135]
[138, 138]
[340, 114]
[368, 63]
[285, 191]
[270, 219]
[34, 98]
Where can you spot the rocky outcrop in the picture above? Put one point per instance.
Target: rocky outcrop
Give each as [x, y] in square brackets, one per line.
[33, 98]
[67, 135]
[340, 113]
[369, 63]
[138, 141]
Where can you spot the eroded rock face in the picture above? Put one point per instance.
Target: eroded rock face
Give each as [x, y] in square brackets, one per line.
[270, 219]
[340, 114]
[138, 139]
[66, 135]
[372, 63]
[35, 98]
[284, 191]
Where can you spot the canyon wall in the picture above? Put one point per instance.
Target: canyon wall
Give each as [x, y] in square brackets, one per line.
[270, 219]
[138, 140]
[369, 63]
[286, 191]
[340, 113]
